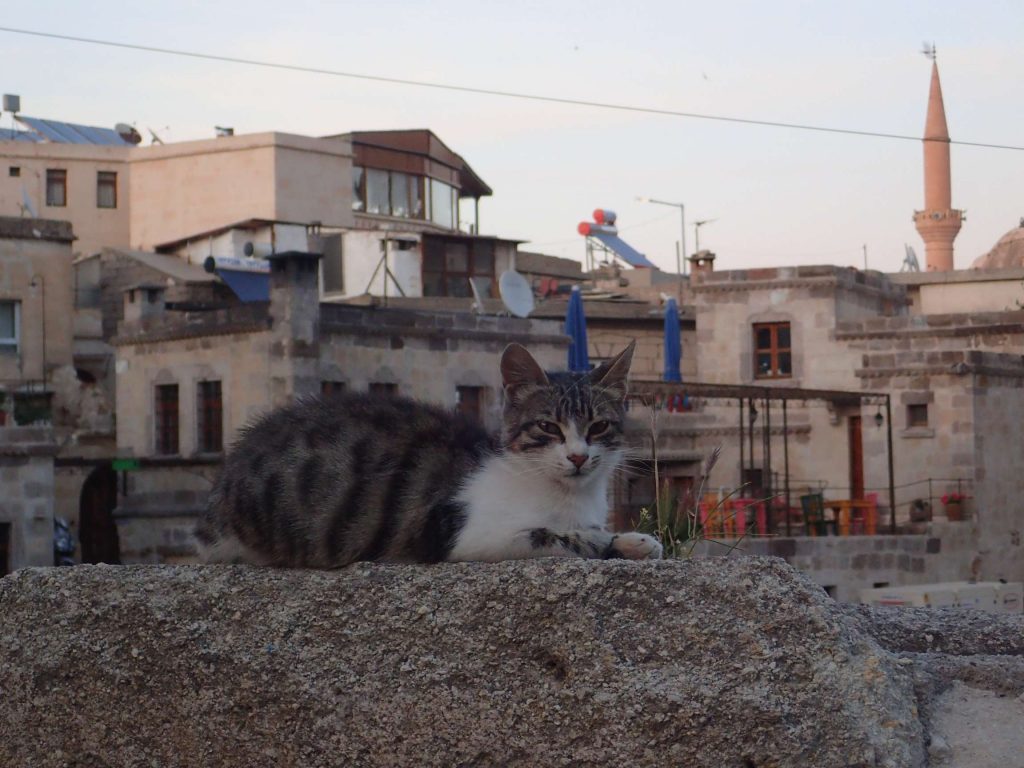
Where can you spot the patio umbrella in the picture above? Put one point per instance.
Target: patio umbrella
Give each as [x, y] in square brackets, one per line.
[576, 330]
[673, 345]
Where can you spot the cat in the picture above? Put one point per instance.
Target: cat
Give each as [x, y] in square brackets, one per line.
[329, 481]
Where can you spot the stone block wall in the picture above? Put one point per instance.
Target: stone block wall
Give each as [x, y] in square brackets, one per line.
[844, 565]
[27, 494]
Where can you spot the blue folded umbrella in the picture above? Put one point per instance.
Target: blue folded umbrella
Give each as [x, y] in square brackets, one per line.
[576, 330]
[673, 344]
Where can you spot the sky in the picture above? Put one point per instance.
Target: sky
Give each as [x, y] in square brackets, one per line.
[777, 196]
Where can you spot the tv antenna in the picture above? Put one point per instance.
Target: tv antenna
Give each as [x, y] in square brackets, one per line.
[928, 49]
[696, 232]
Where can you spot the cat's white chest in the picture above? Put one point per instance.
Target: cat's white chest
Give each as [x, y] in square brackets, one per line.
[502, 505]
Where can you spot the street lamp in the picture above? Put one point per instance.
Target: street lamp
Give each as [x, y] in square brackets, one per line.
[681, 256]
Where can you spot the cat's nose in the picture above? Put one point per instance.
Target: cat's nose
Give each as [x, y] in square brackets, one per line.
[578, 459]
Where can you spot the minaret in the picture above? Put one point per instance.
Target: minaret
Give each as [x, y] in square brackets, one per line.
[939, 223]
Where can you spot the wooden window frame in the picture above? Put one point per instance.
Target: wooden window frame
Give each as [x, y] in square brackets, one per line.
[914, 412]
[331, 387]
[106, 179]
[56, 178]
[166, 420]
[383, 388]
[210, 412]
[446, 274]
[470, 401]
[774, 350]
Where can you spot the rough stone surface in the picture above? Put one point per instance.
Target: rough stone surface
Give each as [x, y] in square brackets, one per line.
[716, 662]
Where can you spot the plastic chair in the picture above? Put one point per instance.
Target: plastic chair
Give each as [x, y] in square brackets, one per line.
[815, 522]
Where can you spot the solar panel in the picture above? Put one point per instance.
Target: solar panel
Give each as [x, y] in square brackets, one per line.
[72, 133]
[623, 250]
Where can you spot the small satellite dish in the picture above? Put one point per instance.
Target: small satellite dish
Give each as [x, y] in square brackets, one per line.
[128, 133]
[248, 249]
[516, 293]
[910, 262]
[479, 286]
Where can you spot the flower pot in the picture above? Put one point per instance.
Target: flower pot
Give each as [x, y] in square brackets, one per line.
[954, 510]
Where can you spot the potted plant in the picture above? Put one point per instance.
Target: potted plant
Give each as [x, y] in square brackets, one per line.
[954, 504]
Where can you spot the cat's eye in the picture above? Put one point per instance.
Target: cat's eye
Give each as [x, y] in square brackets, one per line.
[550, 427]
[597, 428]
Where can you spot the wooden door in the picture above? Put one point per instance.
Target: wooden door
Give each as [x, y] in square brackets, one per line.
[856, 459]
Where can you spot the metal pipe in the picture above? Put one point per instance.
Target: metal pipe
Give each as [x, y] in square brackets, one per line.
[892, 485]
[785, 456]
[766, 431]
[42, 313]
[743, 490]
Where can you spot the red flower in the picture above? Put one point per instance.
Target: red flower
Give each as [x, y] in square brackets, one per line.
[951, 498]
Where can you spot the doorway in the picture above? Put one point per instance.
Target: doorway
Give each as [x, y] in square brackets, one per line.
[5, 548]
[97, 531]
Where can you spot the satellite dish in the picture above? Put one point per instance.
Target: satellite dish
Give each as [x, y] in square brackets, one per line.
[910, 262]
[479, 286]
[516, 293]
[26, 204]
[128, 133]
[248, 249]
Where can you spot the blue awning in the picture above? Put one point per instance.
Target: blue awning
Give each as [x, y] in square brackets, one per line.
[248, 286]
[623, 250]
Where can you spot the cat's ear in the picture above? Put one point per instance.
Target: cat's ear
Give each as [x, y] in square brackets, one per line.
[518, 368]
[611, 374]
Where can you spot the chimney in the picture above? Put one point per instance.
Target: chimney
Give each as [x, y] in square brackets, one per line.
[295, 325]
[701, 262]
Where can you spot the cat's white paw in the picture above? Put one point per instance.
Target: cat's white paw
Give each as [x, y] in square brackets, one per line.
[637, 546]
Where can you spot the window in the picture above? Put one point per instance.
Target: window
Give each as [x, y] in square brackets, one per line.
[917, 415]
[773, 357]
[211, 417]
[385, 388]
[167, 419]
[378, 198]
[442, 204]
[449, 263]
[387, 193]
[469, 401]
[14, 171]
[328, 388]
[358, 189]
[106, 189]
[10, 330]
[331, 265]
[56, 188]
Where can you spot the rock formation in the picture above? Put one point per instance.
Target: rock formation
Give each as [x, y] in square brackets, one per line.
[715, 662]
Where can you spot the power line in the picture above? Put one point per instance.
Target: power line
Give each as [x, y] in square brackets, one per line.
[494, 92]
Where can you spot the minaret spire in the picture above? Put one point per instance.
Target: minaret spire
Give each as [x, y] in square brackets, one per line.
[939, 223]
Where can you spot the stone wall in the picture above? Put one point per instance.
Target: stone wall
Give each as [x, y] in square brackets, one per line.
[35, 272]
[998, 402]
[844, 565]
[27, 493]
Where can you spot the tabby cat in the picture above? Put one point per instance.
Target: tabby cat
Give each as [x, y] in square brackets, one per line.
[328, 481]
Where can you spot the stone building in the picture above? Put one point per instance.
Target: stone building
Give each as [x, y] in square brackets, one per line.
[48, 407]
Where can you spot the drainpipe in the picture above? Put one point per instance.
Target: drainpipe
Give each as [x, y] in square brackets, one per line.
[41, 284]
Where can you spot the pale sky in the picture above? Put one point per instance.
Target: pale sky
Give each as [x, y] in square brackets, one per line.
[780, 196]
